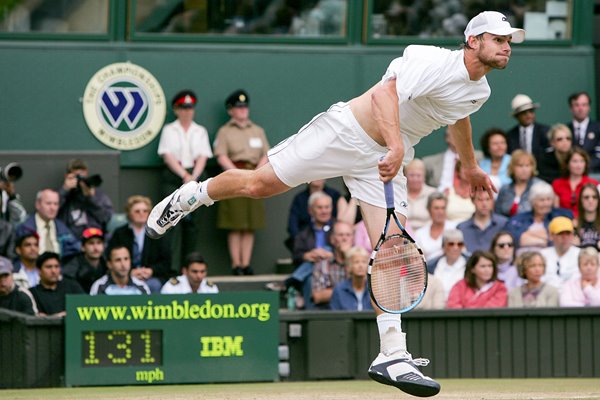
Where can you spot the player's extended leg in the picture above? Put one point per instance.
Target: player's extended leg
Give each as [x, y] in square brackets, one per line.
[259, 183]
[394, 365]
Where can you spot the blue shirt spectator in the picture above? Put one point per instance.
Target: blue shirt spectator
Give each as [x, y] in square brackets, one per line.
[479, 230]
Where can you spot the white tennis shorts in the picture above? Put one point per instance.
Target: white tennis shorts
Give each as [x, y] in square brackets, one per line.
[334, 144]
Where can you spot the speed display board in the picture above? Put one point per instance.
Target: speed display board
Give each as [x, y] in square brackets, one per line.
[124, 340]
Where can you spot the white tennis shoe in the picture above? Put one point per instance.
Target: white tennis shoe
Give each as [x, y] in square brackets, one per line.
[171, 209]
[401, 370]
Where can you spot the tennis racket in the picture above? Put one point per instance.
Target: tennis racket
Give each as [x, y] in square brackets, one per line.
[397, 272]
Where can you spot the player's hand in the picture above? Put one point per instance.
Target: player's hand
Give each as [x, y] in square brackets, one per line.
[389, 165]
[479, 180]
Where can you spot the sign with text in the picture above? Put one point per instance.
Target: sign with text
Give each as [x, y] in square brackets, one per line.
[195, 338]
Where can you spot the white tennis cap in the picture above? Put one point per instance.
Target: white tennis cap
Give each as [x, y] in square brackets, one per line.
[495, 23]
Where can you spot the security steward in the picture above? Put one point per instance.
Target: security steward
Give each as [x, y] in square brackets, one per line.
[242, 144]
[193, 278]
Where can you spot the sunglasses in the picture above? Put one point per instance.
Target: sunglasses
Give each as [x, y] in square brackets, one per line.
[560, 139]
[503, 245]
[588, 197]
[458, 244]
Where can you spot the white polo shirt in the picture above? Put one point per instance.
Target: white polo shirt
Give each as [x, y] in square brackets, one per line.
[186, 147]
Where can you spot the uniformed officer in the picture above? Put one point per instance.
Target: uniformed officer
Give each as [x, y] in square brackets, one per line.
[242, 144]
[193, 278]
[184, 147]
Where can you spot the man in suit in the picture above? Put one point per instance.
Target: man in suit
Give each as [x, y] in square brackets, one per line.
[586, 133]
[527, 135]
[440, 166]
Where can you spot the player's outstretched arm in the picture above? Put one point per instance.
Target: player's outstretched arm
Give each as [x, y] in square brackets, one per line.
[384, 106]
[462, 135]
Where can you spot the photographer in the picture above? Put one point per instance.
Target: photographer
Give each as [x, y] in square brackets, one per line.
[11, 207]
[82, 203]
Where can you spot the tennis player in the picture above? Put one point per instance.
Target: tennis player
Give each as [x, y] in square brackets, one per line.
[366, 141]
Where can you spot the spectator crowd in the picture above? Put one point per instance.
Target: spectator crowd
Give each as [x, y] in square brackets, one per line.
[533, 244]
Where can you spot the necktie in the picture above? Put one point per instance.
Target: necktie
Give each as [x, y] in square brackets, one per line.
[48, 246]
[578, 135]
[523, 138]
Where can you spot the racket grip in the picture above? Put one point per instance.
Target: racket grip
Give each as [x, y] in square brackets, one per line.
[388, 188]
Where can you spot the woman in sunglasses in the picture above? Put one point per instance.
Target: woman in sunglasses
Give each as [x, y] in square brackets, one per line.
[588, 218]
[503, 247]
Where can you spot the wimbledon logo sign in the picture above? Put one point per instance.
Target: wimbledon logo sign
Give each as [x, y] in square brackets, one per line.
[124, 106]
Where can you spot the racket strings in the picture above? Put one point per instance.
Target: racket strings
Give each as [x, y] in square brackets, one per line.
[398, 275]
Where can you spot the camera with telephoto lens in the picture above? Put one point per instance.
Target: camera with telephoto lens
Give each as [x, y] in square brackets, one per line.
[11, 172]
[90, 181]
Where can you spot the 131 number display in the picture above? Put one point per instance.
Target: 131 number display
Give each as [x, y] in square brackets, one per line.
[121, 348]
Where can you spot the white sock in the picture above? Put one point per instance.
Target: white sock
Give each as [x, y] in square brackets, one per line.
[391, 337]
[203, 193]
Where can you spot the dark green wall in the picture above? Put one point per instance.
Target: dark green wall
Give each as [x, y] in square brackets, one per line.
[42, 84]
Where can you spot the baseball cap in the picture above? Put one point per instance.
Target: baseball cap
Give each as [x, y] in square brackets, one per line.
[495, 23]
[560, 224]
[5, 266]
[89, 233]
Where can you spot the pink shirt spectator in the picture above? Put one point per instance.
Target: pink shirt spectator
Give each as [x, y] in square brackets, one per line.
[572, 295]
[492, 295]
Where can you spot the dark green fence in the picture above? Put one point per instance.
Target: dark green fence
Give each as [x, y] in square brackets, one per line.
[501, 343]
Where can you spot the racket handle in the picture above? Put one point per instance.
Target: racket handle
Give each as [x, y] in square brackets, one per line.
[388, 188]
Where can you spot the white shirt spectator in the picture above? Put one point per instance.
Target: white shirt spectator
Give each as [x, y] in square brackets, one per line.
[432, 248]
[181, 285]
[560, 269]
[449, 275]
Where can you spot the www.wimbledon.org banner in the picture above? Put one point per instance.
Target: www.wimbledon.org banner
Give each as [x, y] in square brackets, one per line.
[118, 340]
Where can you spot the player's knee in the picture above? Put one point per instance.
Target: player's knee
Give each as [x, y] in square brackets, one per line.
[258, 189]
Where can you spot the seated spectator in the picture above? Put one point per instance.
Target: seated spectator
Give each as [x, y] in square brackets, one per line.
[417, 191]
[27, 249]
[483, 225]
[150, 259]
[50, 294]
[588, 218]
[503, 247]
[449, 268]
[352, 293]
[514, 197]
[480, 288]
[90, 265]
[533, 293]
[561, 257]
[82, 203]
[53, 234]
[299, 216]
[328, 273]
[13, 297]
[552, 165]
[583, 291]
[496, 158]
[192, 278]
[435, 296]
[429, 237]
[530, 229]
[118, 280]
[568, 187]
[312, 244]
[459, 207]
